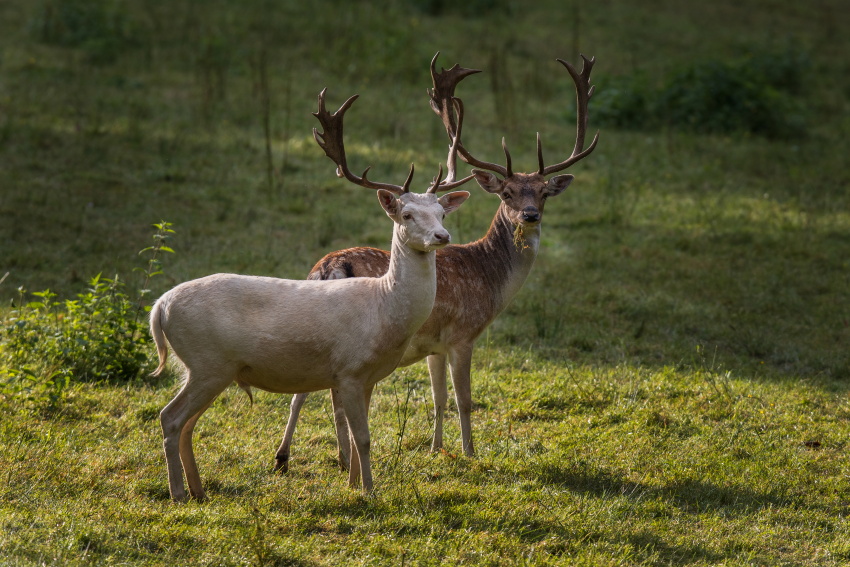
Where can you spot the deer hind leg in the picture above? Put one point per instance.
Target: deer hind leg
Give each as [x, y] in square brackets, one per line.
[189, 403]
[437, 371]
[281, 458]
[460, 360]
[342, 433]
[187, 456]
[355, 401]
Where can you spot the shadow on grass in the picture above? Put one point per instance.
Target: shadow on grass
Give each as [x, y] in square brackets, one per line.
[689, 495]
[653, 550]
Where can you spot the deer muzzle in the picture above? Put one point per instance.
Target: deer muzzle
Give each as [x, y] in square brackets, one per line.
[530, 214]
[442, 237]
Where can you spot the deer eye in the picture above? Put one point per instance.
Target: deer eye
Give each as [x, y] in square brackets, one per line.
[506, 196]
[407, 216]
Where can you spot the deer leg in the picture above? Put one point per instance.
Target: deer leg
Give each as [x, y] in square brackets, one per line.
[195, 396]
[355, 401]
[281, 458]
[354, 463]
[437, 371]
[460, 360]
[342, 433]
[187, 456]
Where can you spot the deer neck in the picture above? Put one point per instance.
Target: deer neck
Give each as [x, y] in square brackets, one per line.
[510, 250]
[410, 284]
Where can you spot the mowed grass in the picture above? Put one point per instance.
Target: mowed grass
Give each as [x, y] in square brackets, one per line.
[669, 387]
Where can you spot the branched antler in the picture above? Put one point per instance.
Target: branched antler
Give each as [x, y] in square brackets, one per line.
[445, 83]
[331, 142]
[584, 91]
[443, 92]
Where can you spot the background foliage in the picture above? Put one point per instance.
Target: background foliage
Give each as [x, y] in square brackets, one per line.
[670, 386]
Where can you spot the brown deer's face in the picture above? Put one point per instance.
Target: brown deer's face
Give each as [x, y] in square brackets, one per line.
[524, 194]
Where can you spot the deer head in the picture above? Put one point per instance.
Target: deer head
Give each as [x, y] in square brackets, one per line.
[418, 216]
[523, 194]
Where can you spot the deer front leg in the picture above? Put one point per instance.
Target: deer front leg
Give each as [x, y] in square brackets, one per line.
[437, 371]
[460, 360]
[281, 458]
[342, 433]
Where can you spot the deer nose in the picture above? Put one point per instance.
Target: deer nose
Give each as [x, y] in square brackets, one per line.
[530, 214]
[442, 237]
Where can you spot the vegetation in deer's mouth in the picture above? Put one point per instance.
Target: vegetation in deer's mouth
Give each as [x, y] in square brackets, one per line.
[519, 237]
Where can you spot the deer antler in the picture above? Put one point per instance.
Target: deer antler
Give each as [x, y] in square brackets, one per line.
[451, 160]
[583, 93]
[444, 89]
[331, 142]
[445, 83]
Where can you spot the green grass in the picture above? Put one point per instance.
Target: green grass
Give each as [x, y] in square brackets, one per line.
[670, 387]
[578, 465]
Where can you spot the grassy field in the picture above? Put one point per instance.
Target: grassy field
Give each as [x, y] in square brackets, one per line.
[670, 387]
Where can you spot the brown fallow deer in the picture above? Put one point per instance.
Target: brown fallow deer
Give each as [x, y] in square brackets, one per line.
[475, 281]
[292, 336]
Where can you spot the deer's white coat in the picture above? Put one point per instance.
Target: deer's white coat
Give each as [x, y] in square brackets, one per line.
[293, 336]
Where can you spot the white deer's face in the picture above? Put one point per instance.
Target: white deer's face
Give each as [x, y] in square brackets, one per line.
[524, 194]
[420, 216]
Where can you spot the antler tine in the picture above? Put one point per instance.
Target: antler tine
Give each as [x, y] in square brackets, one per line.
[436, 181]
[406, 187]
[508, 170]
[584, 91]
[331, 141]
[540, 155]
[445, 83]
[446, 185]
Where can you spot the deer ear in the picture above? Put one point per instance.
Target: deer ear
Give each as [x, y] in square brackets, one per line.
[488, 181]
[388, 201]
[558, 183]
[451, 201]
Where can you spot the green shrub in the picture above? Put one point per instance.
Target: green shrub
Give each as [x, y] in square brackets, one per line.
[101, 335]
[754, 94]
[623, 103]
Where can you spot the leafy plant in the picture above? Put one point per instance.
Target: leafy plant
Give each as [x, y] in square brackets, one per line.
[754, 94]
[47, 343]
[154, 266]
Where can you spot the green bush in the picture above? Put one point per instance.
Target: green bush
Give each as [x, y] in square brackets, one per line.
[101, 335]
[623, 103]
[97, 336]
[755, 95]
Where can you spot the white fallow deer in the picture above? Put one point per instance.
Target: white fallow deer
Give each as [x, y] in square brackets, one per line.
[292, 336]
[475, 281]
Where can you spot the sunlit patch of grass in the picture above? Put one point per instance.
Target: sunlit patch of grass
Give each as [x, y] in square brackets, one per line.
[640, 465]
